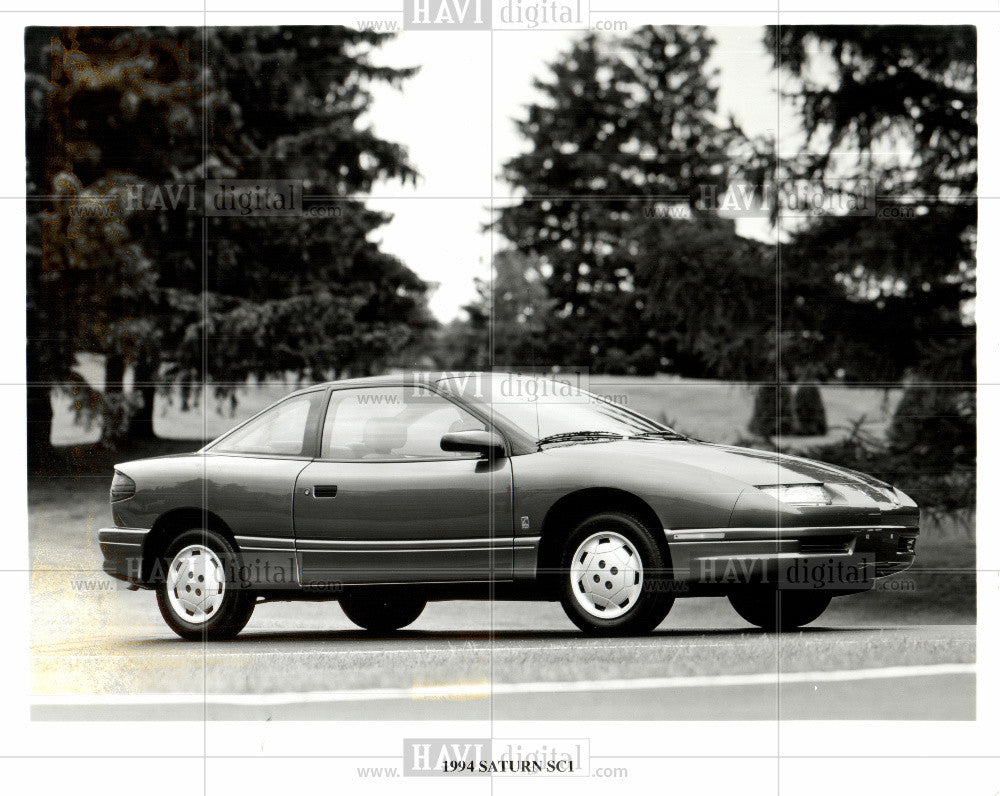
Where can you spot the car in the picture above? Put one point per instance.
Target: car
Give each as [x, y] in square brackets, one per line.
[385, 493]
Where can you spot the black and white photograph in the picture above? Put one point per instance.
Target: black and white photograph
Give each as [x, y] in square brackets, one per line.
[501, 394]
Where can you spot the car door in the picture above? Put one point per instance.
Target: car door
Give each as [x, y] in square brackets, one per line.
[384, 504]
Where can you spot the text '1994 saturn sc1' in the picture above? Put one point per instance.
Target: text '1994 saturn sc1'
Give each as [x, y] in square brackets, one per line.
[385, 493]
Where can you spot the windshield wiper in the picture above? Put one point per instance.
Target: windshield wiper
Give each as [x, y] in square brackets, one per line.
[665, 434]
[569, 436]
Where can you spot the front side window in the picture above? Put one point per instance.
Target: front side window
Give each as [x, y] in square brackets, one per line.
[392, 424]
[283, 430]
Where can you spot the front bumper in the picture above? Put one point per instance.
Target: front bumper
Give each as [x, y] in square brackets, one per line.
[844, 558]
[123, 552]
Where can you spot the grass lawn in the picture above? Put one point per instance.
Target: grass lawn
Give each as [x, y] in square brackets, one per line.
[719, 411]
[715, 411]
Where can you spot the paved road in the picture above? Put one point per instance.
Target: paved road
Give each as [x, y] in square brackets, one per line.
[474, 660]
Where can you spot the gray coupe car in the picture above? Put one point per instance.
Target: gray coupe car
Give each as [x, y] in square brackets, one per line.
[385, 493]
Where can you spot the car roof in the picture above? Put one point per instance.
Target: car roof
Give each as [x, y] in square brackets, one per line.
[407, 377]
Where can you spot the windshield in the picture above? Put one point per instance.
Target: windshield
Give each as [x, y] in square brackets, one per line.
[544, 408]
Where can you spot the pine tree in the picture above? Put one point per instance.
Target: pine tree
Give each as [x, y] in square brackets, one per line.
[102, 106]
[142, 111]
[772, 411]
[623, 132]
[506, 324]
[902, 100]
[810, 416]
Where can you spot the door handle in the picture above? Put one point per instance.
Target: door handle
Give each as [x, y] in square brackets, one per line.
[325, 491]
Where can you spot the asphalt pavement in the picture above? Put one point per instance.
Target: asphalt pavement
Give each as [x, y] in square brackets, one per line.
[476, 660]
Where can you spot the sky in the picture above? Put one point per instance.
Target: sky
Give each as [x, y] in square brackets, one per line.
[457, 123]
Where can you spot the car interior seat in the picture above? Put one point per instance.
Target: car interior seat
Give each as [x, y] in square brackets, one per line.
[382, 436]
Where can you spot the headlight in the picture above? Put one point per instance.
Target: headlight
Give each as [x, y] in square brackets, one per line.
[798, 494]
[122, 487]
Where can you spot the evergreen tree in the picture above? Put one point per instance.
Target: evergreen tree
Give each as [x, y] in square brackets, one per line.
[772, 411]
[709, 298]
[132, 114]
[897, 118]
[624, 131]
[506, 324]
[902, 101]
[103, 105]
[810, 416]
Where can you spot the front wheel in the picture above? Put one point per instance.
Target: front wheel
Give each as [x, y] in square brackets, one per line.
[199, 594]
[777, 609]
[614, 576]
[380, 612]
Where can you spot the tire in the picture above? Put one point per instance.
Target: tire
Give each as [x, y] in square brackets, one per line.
[382, 612]
[618, 549]
[797, 607]
[222, 608]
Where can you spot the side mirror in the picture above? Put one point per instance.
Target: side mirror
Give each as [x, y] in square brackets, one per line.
[485, 443]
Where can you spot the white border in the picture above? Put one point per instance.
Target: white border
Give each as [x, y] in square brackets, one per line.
[932, 742]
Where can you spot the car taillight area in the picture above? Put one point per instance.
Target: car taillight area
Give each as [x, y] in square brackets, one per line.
[122, 487]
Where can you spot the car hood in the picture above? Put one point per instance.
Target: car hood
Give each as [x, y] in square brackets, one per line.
[765, 467]
[750, 466]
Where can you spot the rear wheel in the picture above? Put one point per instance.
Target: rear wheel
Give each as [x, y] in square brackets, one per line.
[613, 576]
[382, 612]
[199, 595]
[778, 609]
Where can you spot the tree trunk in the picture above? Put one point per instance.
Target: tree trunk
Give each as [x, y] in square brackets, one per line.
[141, 427]
[39, 406]
[39, 421]
[113, 428]
[114, 374]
